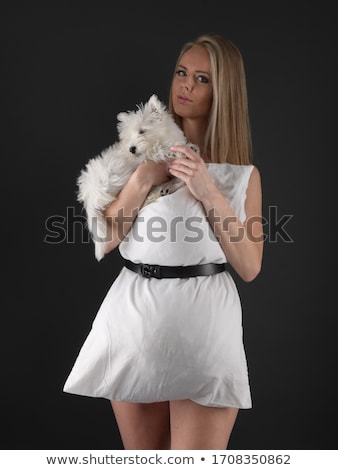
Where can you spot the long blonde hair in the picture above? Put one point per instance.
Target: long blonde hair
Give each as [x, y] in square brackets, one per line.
[228, 135]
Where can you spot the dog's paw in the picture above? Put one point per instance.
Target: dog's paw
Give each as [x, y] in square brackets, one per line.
[194, 147]
[164, 191]
[154, 194]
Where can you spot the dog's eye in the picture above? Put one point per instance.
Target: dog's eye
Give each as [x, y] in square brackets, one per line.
[141, 131]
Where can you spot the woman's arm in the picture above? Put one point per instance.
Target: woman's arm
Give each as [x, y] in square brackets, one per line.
[241, 243]
[121, 214]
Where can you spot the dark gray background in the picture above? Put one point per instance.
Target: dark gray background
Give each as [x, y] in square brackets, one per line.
[66, 73]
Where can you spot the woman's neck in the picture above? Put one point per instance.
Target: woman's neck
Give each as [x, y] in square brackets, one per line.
[195, 130]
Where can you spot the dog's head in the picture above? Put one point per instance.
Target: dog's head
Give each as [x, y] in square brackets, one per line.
[148, 130]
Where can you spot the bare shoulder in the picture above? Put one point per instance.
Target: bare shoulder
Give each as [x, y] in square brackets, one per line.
[255, 183]
[255, 176]
[254, 192]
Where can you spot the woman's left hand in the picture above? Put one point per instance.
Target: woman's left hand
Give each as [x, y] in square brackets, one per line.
[193, 171]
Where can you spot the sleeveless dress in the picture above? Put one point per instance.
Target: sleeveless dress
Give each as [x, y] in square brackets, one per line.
[170, 339]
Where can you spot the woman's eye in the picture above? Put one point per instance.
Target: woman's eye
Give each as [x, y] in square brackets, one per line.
[180, 73]
[202, 79]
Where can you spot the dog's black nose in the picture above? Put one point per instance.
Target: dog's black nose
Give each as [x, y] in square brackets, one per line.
[132, 149]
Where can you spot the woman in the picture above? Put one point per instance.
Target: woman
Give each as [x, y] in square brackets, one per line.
[168, 353]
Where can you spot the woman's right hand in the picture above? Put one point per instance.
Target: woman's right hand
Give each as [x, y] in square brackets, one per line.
[152, 174]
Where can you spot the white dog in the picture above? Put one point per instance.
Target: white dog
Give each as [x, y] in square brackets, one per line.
[144, 134]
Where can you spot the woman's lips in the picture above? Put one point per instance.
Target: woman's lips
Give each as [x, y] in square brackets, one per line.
[183, 99]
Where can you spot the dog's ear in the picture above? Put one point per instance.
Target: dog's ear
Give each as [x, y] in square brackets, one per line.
[122, 116]
[155, 104]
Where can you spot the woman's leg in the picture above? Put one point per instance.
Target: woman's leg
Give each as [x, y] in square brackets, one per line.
[200, 427]
[143, 425]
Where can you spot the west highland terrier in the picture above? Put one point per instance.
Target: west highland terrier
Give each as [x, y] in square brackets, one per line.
[144, 134]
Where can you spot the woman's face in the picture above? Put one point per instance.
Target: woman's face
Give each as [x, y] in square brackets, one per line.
[192, 86]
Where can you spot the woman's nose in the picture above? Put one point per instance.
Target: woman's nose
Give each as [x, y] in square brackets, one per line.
[188, 84]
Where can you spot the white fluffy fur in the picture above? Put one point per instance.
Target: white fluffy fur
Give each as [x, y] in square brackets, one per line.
[144, 134]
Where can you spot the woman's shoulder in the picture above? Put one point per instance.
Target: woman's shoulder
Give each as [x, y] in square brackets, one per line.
[234, 181]
[225, 166]
[230, 173]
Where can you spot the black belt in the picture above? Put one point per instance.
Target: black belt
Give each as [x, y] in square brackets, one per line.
[159, 272]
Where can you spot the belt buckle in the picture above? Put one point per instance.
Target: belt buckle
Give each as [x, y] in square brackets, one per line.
[150, 270]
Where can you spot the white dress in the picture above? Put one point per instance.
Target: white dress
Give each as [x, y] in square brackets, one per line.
[170, 339]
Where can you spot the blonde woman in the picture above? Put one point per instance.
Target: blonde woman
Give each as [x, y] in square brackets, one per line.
[166, 346]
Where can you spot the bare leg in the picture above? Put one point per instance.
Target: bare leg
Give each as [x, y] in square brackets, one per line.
[200, 427]
[143, 425]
